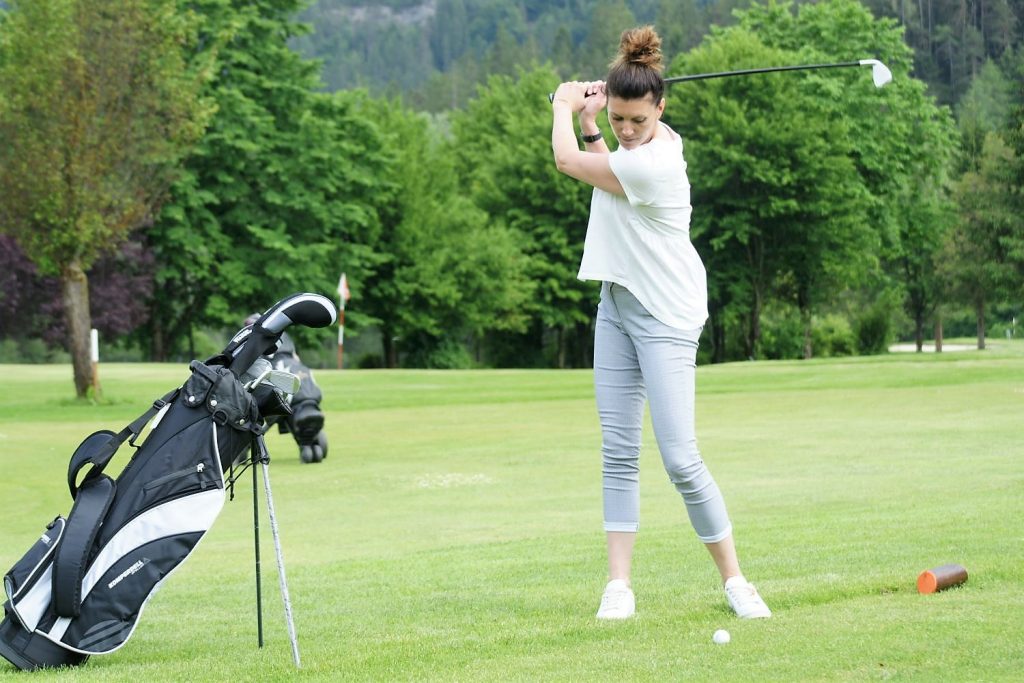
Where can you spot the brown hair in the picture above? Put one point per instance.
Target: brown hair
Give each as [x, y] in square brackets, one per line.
[636, 70]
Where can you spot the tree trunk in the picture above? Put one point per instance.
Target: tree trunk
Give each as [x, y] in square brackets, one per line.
[980, 310]
[753, 325]
[938, 334]
[805, 317]
[158, 343]
[717, 339]
[390, 344]
[560, 347]
[585, 335]
[919, 330]
[75, 297]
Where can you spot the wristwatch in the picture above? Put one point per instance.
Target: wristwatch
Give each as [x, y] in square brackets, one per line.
[591, 138]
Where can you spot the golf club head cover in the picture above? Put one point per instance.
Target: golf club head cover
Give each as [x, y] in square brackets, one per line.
[260, 338]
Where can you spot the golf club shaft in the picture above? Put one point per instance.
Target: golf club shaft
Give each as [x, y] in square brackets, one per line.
[764, 70]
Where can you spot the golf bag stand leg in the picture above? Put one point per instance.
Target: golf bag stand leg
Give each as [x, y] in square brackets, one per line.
[264, 458]
[256, 543]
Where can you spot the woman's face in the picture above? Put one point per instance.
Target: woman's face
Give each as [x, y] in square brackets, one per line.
[634, 121]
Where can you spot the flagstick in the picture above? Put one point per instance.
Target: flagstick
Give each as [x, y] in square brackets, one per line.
[343, 296]
[341, 331]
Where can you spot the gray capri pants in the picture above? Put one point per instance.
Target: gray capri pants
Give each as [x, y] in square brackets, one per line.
[636, 358]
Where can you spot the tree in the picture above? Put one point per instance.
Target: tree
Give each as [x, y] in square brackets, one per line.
[1015, 173]
[447, 275]
[608, 19]
[680, 25]
[448, 37]
[99, 105]
[279, 196]
[902, 142]
[779, 206]
[985, 108]
[985, 248]
[503, 141]
[928, 218]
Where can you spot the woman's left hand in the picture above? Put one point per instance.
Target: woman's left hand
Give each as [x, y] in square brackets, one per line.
[572, 93]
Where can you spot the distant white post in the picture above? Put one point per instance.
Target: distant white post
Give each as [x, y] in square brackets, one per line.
[94, 357]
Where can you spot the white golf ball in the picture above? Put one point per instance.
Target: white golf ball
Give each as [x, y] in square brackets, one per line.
[721, 636]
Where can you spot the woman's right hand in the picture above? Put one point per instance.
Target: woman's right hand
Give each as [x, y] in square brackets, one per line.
[595, 99]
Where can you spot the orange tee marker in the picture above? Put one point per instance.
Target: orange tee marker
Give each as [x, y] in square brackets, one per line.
[933, 580]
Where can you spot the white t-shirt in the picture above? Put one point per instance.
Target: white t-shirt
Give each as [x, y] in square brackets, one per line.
[642, 241]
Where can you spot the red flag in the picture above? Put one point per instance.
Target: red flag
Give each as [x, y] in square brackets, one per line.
[343, 289]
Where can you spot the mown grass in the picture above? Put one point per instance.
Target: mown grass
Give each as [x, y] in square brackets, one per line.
[454, 531]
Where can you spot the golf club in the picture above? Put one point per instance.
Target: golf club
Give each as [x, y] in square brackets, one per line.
[880, 73]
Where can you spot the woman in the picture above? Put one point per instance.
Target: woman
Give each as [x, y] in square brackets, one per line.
[652, 309]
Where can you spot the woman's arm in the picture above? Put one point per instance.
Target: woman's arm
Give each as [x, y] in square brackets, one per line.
[590, 166]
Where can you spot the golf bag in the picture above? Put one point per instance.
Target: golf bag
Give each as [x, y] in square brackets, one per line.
[81, 588]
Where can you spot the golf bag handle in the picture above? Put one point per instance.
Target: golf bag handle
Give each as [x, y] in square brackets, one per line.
[260, 338]
[99, 447]
[72, 556]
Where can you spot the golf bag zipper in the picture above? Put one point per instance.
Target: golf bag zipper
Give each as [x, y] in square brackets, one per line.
[180, 474]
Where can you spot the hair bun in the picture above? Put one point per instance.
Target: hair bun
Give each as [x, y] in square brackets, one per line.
[641, 46]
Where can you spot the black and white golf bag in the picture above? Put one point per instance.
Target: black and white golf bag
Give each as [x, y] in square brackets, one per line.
[81, 588]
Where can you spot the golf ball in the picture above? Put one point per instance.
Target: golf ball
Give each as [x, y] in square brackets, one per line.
[721, 636]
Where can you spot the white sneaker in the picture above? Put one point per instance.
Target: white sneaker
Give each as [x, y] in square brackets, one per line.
[744, 599]
[617, 602]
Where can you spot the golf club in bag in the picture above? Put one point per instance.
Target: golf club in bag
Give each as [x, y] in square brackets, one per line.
[306, 421]
[81, 588]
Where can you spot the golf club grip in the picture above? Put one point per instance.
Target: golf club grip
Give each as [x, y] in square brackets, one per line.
[551, 97]
[254, 346]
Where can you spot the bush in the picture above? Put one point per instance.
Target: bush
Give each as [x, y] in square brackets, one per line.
[370, 361]
[873, 328]
[121, 351]
[832, 335]
[446, 354]
[30, 351]
[782, 333]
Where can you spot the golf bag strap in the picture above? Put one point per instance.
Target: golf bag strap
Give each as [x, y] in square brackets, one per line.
[72, 555]
[99, 456]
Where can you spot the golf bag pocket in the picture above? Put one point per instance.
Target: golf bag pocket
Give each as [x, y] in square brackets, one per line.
[26, 571]
[223, 395]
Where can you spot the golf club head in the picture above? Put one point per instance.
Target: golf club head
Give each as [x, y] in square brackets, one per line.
[255, 372]
[282, 380]
[880, 73]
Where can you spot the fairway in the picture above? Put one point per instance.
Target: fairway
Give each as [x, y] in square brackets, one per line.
[454, 531]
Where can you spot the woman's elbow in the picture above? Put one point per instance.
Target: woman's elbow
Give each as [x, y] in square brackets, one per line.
[563, 162]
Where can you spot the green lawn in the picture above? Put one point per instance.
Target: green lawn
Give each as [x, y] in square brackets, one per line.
[454, 531]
